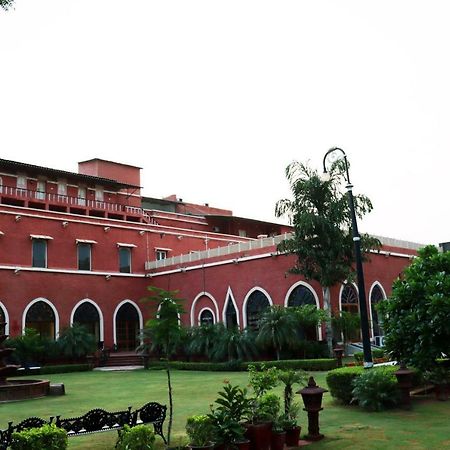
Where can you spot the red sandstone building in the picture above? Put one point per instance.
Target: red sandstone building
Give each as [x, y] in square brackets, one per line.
[83, 247]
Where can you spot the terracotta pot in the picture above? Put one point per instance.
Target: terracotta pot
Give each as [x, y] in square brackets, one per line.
[293, 436]
[278, 440]
[259, 435]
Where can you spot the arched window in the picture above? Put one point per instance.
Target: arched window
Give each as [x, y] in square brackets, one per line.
[375, 297]
[256, 304]
[231, 315]
[350, 304]
[2, 322]
[301, 295]
[206, 317]
[349, 299]
[41, 318]
[87, 315]
[127, 327]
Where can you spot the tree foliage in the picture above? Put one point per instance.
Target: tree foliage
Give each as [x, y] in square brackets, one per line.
[76, 341]
[6, 4]
[277, 328]
[320, 214]
[416, 316]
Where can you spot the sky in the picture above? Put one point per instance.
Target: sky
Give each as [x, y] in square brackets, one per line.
[213, 99]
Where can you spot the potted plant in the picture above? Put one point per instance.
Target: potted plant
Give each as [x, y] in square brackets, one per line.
[200, 432]
[259, 427]
[278, 433]
[291, 425]
[233, 407]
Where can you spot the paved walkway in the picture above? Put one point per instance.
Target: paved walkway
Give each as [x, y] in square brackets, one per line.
[118, 368]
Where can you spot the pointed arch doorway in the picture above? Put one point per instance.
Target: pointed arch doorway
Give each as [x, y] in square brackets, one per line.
[127, 324]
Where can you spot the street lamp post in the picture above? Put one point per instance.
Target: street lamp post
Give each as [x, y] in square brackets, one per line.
[359, 267]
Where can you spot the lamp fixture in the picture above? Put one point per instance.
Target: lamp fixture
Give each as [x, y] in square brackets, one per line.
[142, 232]
[179, 237]
[108, 277]
[18, 218]
[65, 224]
[106, 229]
[16, 271]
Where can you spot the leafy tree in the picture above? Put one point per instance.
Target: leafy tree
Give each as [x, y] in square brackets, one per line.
[416, 316]
[277, 328]
[76, 341]
[165, 332]
[322, 238]
[6, 4]
[29, 348]
[308, 317]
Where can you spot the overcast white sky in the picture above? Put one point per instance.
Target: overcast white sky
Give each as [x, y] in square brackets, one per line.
[214, 98]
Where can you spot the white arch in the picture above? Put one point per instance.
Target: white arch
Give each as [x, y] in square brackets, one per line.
[302, 283]
[5, 313]
[100, 315]
[141, 320]
[375, 283]
[49, 303]
[316, 298]
[340, 293]
[201, 294]
[229, 297]
[244, 306]
[206, 309]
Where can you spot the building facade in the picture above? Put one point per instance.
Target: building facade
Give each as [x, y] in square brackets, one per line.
[82, 247]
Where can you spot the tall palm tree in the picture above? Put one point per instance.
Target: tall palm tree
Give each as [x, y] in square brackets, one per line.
[277, 328]
[203, 339]
[235, 344]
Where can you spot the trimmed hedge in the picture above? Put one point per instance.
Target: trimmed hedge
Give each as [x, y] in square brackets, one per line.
[340, 381]
[235, 366]
[65, 368]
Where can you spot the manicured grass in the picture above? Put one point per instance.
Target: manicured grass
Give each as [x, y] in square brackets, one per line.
[425, 427]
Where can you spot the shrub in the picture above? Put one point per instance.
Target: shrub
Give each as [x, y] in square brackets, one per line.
[296, 364]
[48, 437]
[340, 382]
[199, 429]
[268, 407]
[140, 437]
[376, 389]
[76, 341]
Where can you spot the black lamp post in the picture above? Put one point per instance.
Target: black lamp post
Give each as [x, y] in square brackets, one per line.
[359, 268]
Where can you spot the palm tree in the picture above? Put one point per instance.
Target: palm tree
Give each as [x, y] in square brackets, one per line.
[76, 341]
[234, 344]
[203, 339]
[277, 328]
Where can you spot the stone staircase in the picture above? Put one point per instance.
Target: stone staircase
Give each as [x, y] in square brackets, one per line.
[120, 359]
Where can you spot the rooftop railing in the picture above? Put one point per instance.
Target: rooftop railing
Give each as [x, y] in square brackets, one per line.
[217, 252]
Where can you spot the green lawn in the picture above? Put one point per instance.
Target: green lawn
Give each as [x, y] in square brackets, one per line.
[425, 427]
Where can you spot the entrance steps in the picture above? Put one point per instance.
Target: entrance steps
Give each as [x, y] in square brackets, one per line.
[119, 359]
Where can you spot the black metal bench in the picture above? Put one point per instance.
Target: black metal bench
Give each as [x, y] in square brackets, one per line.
[94, 421]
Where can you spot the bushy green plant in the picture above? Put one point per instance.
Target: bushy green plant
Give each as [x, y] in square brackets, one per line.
[262, 379]
[48, 437]
[233, 401]
[199, 428]
[226, 429]
[376, 389]
[30, 347]
[267, 407]
[65, 368]
[140, 437]
[289, 378]
[340, 382]
[76, 341]
[416, 315]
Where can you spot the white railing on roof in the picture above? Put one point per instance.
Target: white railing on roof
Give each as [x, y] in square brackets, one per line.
[216, 252]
